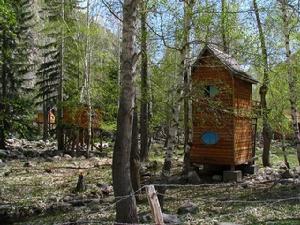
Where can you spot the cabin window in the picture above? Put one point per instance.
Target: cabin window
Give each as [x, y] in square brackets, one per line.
[211, 91]
[210, 138]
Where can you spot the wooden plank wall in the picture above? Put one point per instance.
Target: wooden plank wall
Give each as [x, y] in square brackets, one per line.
[242, 122]
[219, 120]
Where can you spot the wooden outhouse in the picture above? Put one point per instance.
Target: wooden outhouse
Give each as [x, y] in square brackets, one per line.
[222, 110]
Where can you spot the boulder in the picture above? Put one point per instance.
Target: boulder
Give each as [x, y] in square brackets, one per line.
[285, 174]
[217, 178]
[297, 170]
[105, 189]
[188, 207]
[282, 166]
[41, 144]
[105, 145]
[2, 164]
[56, 158]
[171, 219]
[193, 178]
[145, 217]
[67, 157]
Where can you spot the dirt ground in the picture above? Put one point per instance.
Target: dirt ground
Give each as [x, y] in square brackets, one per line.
[41, 190]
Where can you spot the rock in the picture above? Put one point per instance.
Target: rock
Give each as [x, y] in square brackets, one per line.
[105, 145]
[67, 157]
[59, 207]
[57, 158]
[10, 141]
[145, 217]
[49, 159]
[188, 207]
[28, 164]
[193, 178]
[82, 157]
[95, 159]
[171, 219]
[282, 166]
[285, 174]
[3, 154]
[268, 170]
[297, 170]
[232, 176]
[217, 178]
[2, 164]
[176, 180]
[105, 189]
[41, 144]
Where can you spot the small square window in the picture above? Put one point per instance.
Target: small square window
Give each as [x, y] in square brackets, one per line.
[211, 91]
[210, 138]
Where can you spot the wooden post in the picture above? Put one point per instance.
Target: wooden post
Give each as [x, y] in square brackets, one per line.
[154, 204]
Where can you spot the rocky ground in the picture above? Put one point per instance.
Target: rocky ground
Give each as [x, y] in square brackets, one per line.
[38, 186]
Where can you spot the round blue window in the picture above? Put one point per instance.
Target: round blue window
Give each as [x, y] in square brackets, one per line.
[210, 138]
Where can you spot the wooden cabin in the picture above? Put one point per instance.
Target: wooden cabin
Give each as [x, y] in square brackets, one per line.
[75, 121]
[39, 119]
[222, 110]
[78, 117]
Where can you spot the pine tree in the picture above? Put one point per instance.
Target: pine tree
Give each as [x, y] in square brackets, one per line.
[16, 43]
[58, 59]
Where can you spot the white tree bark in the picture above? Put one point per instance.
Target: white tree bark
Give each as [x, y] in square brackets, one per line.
[291, 76]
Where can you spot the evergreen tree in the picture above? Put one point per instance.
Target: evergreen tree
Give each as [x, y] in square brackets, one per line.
[16, 43]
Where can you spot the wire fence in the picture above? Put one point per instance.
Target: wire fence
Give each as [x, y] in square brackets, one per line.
[177, 192]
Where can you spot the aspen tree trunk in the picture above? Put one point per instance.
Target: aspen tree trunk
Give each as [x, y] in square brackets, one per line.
[172, 135]
[186, 67]
[291, 77]
[223, 27]
[135, 154]
[286, 162]
[126, 210]
[60, 97]
[267, 132]
[144, 119]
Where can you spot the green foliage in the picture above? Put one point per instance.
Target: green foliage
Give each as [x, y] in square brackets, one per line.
[16, 44]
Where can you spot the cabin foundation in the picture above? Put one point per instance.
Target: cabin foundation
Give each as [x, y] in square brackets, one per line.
[232, 176]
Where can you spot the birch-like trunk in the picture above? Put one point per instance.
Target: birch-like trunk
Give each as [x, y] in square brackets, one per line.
[291, 76]
[186, 69]
[171, 136]
[223, 27]
[126, 210]
[267, 132]
[60, 93]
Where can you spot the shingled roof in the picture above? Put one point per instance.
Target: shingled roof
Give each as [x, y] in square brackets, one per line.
[228, 61]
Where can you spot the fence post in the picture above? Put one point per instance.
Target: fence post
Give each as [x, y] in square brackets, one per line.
[154, 204]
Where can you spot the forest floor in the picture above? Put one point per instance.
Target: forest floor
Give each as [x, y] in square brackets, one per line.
[39, 189]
